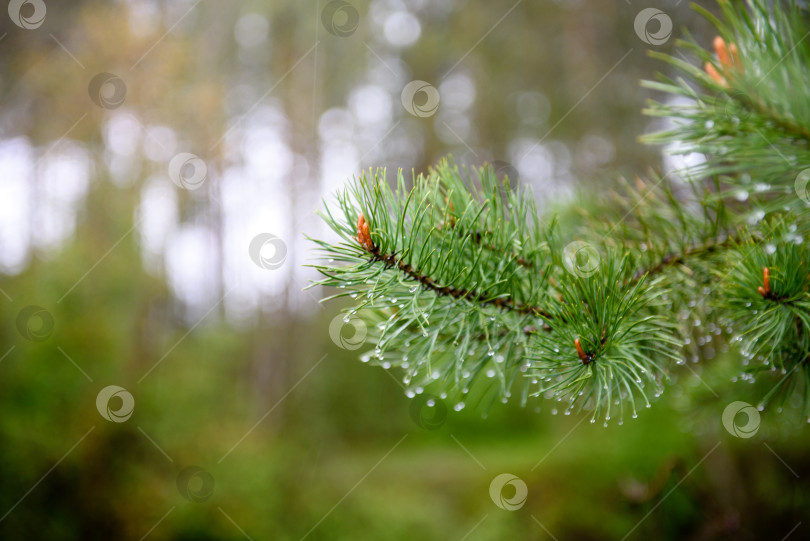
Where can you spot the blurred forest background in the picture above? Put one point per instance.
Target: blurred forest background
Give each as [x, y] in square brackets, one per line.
[249, 420]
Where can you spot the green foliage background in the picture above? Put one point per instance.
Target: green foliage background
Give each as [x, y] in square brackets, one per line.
[313, 465]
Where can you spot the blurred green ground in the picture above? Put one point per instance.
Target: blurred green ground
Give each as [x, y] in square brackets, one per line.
[316, 458]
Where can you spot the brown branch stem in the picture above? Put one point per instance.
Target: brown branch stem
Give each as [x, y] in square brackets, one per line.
[457, 293]
[676, 258]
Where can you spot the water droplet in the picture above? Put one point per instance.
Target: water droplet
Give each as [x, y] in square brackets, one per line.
[490, 373]
[761, 187]
[459, 406]
[755, 217]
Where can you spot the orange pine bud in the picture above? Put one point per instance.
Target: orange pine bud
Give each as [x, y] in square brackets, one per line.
[581, 352]
[363, 234]
[714, 74]
[361, 220]
[728, 58]
[765, 288]
[722, 52]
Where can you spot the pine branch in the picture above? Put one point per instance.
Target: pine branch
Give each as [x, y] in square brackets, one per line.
[458, 274]
[429, 283]
[746, 110]
[677, 258]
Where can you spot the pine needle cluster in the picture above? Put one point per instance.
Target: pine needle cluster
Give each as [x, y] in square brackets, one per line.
[465, 285]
